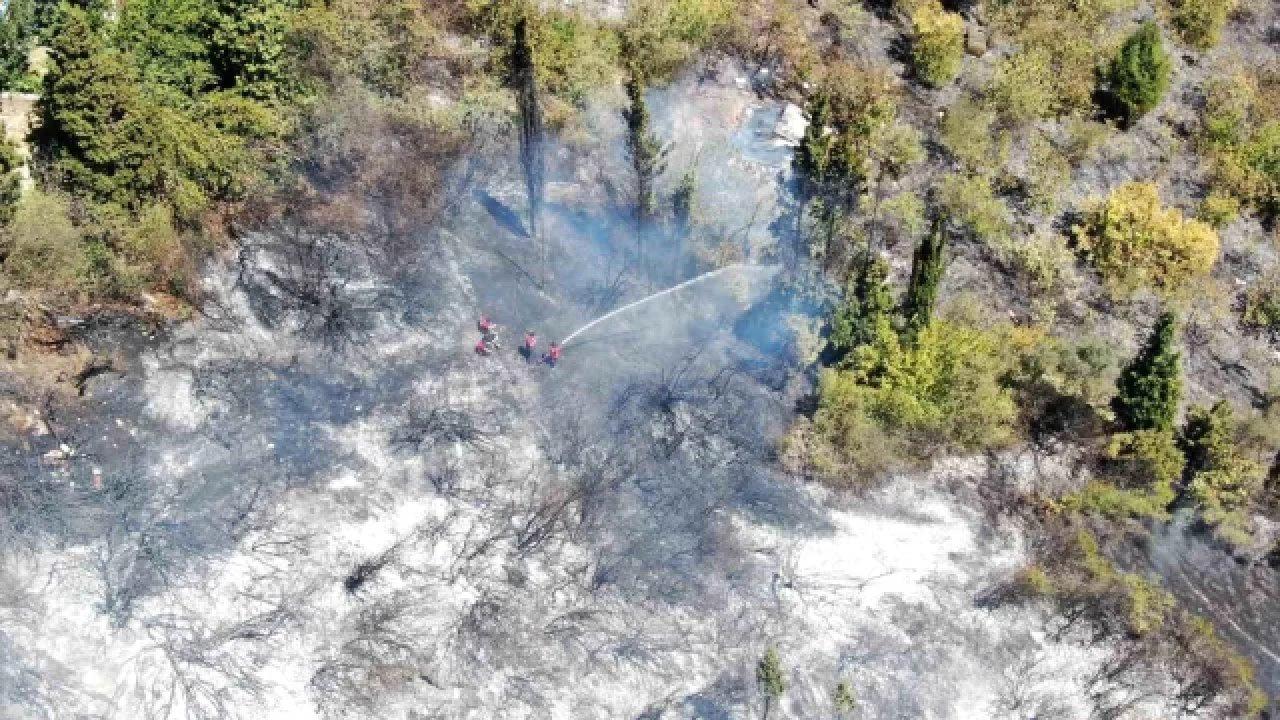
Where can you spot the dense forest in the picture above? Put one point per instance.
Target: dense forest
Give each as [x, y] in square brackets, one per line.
[1005, 226]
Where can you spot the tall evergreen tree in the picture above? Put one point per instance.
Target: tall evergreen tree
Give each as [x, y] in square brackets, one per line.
[169, 42]
[648, 160]
[17, 34]
[682, 206]
[813, 156]
[648, 156]
[524, 80]
[926, 273]
[770, 680]
[247, 47]
[89, 93]
[866, 313]
[1149, 388]
[1139, 74]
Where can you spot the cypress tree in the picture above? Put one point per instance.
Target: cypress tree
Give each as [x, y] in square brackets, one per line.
[769, 677]
[247, 47]
[810, 160]
[868, 305]
[647, 153]
[682, 206]
[648, 159]
[1139, 74]
[89, 92]
[1149, 388]
[524, 79]
[17, 34]
[809, 164]
[926, 273]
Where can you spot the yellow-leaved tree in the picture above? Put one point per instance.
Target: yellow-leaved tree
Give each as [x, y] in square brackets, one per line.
[1135, 242]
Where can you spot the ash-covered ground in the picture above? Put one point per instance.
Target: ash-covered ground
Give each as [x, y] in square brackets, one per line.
[316, 501]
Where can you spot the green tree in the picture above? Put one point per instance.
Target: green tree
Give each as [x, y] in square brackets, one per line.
[1139, 74]
[813, 155]
[648, 155]
[844, 700]
[770, 680]
[1150, 386]
[1223, 482]
[683, 206]
[937, 48]
[1134, 241]
[926, 272]
[866, 312]
[166, 39]
[89, 93]
[10, 182]
[852, 148]
[248, 47]
[17, 34]
[811, 158]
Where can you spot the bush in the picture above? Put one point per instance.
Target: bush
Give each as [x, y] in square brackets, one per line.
[44, 248]
[1055, 68]
[574, 55]
[1133, 241]
[1086, 586]
[1219, 209]
[937, 48]
[970, 202]
[946, 390]
[1240, 132]
[1139, 476]
[967, 132]
[1224, 483]
[1262, 303]
[1023, 87]
[1199, 23]
[1139, 74]
[10, 182]
[1042, 261]
[1089, 586]
[1048, 173]
[664, 34]
[903, 217]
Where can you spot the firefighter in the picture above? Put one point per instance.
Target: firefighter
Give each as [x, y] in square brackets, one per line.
[530, 344]
[488, 331]
[553, 355]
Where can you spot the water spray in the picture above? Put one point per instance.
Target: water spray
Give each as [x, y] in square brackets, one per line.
[643, 300]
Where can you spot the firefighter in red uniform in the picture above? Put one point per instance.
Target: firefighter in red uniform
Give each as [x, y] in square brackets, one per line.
[553, 355]
[488, 331]
[530, 343]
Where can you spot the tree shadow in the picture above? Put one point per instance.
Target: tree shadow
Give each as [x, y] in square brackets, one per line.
[503, 215]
